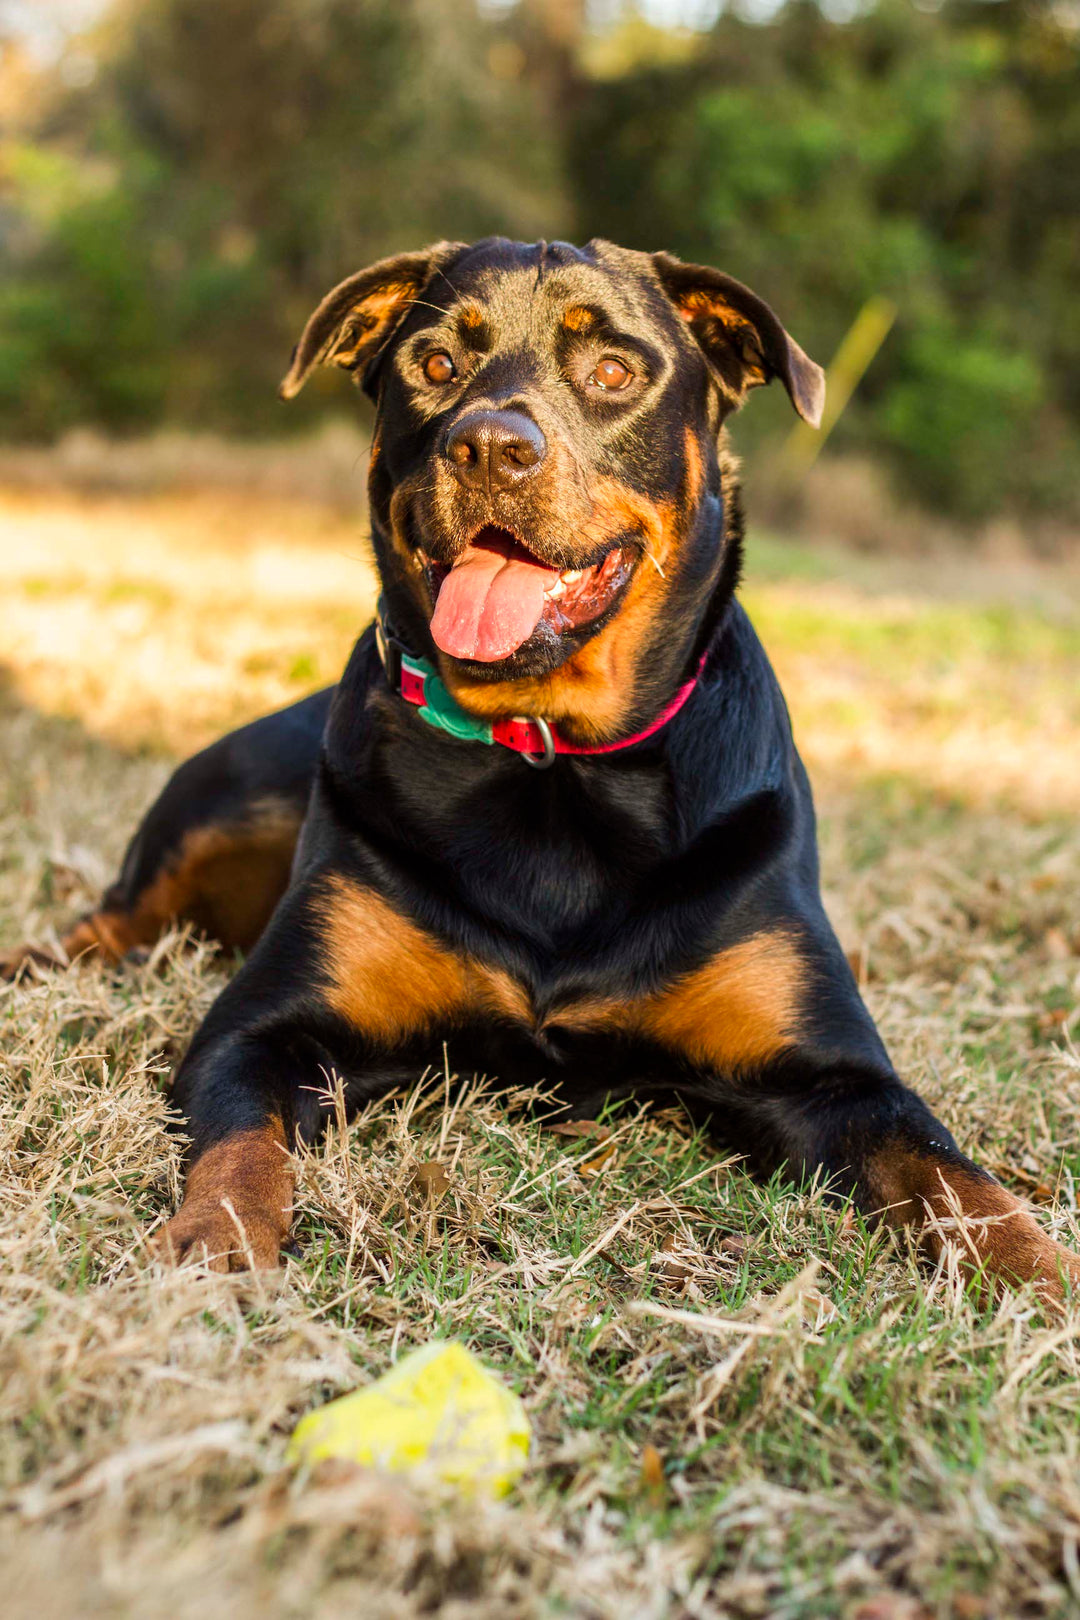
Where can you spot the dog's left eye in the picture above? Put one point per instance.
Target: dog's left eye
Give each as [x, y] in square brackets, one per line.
[439, 368]
[610, 375]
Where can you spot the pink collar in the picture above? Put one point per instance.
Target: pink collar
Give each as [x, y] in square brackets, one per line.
[535, 739]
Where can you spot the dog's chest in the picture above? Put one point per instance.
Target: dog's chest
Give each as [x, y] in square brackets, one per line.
[737, 1009]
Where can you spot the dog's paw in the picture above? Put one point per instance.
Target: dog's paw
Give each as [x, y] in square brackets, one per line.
[86, 939]
[1057, 1276]
[222, 1237]
[28, 960]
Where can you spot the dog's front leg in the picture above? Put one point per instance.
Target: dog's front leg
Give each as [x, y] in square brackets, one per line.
[343, 983]
[236, 1091]
[877, 1142]
[794, 1074]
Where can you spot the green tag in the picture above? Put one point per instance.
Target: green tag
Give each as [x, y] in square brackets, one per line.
[440, 710]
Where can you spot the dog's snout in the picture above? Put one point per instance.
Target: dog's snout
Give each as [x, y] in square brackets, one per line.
[492, 450]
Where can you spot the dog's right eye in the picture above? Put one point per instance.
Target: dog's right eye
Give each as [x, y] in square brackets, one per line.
[439, 368]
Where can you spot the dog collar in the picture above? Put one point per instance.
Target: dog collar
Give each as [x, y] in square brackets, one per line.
[534, 738]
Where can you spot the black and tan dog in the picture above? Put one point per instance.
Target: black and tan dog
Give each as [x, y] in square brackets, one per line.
[557, 530]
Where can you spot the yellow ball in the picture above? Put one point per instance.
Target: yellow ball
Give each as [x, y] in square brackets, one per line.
[438, 1411]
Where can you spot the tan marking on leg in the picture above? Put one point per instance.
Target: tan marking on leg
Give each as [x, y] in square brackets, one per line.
[237, 1204]
[12, 962]
[389, 979]
[228, 885]
[739, 1010]
[110, 934]
[226, 880]
[593, 1015]
[104, 933]
[988, 1225]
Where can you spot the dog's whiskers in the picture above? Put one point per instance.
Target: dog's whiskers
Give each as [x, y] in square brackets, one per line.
[425, 304]
[439, 271]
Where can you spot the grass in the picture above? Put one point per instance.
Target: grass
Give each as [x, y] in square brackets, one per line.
[842, 1430]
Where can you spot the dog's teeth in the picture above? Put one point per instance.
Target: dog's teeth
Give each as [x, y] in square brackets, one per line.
[555, 590]
[570, 576]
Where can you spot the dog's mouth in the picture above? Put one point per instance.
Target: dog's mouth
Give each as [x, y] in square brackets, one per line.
[498, 594]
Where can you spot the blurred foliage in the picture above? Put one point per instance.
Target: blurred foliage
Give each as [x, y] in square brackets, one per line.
[168, 218]
[171, 224]
[932, 157]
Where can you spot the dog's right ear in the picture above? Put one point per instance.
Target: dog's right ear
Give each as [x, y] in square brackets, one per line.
[356, 318]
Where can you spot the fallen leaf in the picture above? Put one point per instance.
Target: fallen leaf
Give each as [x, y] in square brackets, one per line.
[432, 1180]
[1025, 1175]
[592, 1167]
[817, 1308]
[1055, 1019]
[581, 1127]
[652, 1482]
[1057, 945]
[891, 1606]
[967, 1606]
[669, 1266]
[735, 1245]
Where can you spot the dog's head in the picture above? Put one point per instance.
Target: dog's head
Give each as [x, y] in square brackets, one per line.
[545, 482]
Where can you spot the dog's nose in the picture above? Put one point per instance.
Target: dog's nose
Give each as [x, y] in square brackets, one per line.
[491, 450]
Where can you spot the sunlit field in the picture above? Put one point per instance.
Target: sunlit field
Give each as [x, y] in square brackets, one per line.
[744, 1402]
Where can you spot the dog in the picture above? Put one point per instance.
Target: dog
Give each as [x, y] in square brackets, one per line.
[553, 813]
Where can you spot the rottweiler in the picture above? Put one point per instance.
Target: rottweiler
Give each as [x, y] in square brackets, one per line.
[553, 813]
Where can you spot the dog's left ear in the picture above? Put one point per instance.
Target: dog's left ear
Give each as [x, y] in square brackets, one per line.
[741, 337]
[356, 317]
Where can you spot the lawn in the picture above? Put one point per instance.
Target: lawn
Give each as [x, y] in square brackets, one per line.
[744, 1402]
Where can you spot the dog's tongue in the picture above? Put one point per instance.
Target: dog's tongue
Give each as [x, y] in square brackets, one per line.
[491, 600]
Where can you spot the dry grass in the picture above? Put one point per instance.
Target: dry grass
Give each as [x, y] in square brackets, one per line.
[877, 1445]
[851, 499]
[325, 466]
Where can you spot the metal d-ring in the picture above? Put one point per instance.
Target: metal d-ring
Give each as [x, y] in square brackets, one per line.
[540, 762]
